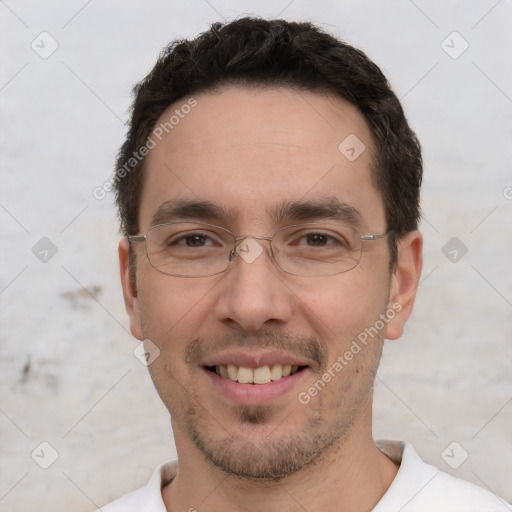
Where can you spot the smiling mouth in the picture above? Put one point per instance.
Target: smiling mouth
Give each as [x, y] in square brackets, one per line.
[262, 375]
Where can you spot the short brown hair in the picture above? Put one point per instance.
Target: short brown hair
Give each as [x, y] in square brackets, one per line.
[253, 51]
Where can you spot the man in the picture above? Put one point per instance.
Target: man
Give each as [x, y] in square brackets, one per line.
[268, 191]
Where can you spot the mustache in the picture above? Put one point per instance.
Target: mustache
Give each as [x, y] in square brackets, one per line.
[310, 348]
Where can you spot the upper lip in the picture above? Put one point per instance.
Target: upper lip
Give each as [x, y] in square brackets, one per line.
[253, 359]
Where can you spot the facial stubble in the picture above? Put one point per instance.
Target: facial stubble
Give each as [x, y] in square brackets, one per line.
[261, 448]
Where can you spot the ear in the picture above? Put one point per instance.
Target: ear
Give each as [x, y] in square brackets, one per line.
[131, 300]
[404, 282]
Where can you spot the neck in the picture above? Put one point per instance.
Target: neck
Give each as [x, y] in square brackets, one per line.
[351, 476]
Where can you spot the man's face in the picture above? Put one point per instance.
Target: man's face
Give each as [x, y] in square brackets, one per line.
[253, 153]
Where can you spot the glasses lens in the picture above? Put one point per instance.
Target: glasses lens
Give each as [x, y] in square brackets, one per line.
[188, 249]
[317, 249]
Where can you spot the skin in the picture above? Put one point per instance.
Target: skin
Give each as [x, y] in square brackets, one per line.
[250, 150]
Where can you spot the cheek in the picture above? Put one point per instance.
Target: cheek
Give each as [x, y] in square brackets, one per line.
[344, 306]
[171, 308]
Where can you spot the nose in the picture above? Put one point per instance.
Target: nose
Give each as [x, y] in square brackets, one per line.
[252, 294]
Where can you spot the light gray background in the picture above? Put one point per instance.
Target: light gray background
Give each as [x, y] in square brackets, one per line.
[68, 374]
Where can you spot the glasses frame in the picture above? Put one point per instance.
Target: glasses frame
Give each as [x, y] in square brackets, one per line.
[237, 239]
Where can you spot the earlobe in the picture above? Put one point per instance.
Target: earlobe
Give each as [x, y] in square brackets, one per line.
[131, 300]
[404, 282]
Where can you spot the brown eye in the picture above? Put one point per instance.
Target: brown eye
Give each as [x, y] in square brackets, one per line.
[317, 240]
[195, 240]
[191, 240]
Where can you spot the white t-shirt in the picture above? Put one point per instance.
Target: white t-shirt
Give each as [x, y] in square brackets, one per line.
[417, 487]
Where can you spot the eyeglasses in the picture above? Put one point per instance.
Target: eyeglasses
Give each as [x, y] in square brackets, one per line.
[185, 249]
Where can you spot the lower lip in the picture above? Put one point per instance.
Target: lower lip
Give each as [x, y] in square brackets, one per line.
[254, 394]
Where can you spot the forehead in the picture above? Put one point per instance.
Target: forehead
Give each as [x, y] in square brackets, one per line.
[252, 150]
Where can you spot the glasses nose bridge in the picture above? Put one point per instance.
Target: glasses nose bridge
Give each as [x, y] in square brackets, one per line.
[238, 240]
[256, 237]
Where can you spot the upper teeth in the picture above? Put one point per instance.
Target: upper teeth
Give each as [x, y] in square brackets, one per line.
[261, 375]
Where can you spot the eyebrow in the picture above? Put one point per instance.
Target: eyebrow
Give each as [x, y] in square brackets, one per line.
[184, 209]
[330, 208]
